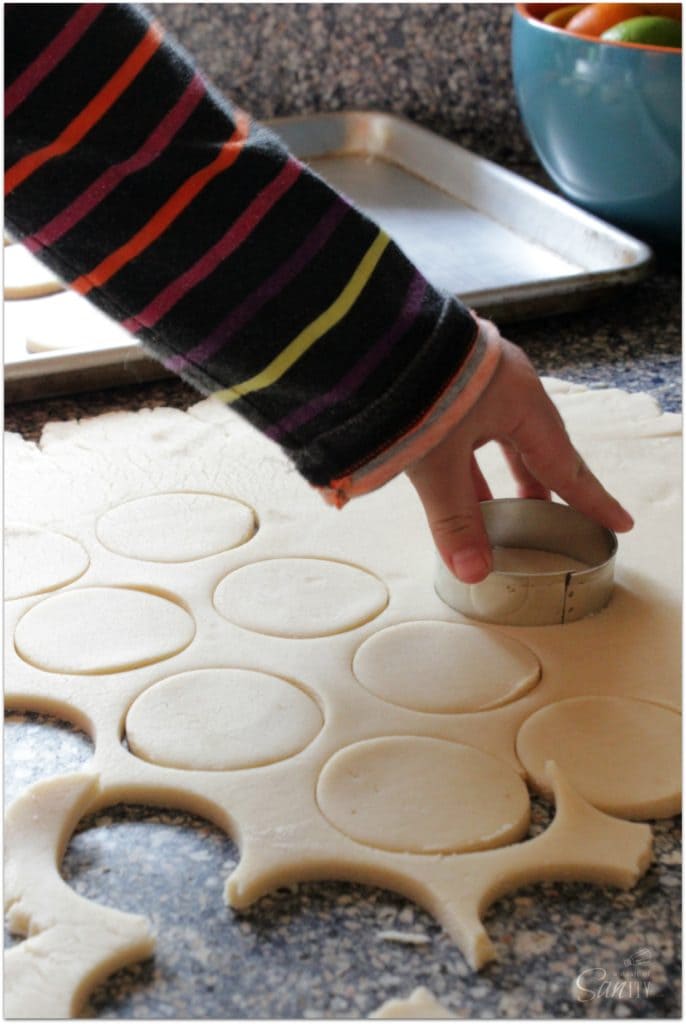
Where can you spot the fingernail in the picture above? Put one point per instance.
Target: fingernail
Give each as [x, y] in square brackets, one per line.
[627, 520]
[470, 565]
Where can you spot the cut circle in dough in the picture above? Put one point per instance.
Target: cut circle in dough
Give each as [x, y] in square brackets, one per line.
[63, 322]
[179, 526]
[100, 630]
[37, 561]
[300, 598]
[417, 794]
[25, 276]
[445, 667]
[621, 754]
[221, 719]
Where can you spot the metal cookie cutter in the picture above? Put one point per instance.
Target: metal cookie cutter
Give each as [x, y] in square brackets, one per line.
[537, 598]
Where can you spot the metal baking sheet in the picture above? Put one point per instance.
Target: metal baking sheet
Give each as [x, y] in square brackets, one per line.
[507, 247]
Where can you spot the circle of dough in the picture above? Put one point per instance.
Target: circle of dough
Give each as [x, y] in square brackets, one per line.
[38, 560]
[300, 597]
[445, 667]
[25, 276]
[176, 527]
[65, 321]
[221, 719]
[97, 630]
[416, 794]
[621, 754]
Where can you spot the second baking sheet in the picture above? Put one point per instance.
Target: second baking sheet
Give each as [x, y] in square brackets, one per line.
[507, 247]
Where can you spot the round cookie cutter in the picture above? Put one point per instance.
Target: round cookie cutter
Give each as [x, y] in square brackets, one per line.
[537, 599]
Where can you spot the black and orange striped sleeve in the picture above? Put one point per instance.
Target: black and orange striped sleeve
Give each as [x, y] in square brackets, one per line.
[230, 261]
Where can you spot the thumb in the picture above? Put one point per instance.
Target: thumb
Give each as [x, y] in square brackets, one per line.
[452, 509]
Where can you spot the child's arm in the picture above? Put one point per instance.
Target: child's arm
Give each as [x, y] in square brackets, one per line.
[228, 259]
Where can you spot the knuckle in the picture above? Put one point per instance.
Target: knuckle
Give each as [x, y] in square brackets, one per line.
[559, 467]
[454, 524]
[577, 471]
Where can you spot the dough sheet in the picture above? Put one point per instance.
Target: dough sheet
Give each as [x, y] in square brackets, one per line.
[239, 650]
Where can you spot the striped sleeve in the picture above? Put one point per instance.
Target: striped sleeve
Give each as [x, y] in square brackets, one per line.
[229, 260]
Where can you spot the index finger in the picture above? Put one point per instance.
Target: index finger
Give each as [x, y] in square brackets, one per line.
[548, 453]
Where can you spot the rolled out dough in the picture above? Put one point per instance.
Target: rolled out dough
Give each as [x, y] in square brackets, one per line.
[176, 527]
[102, 630]
[421, 795]
[37, 561]
[623, 755]
[445, 667]
[280, 648]
[220, 720]
[300, 597]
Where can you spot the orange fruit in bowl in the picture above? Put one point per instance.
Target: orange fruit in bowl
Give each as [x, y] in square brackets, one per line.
[594, 19]
[561, 15]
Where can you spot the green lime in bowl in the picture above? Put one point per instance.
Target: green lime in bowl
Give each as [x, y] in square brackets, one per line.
[646, 31]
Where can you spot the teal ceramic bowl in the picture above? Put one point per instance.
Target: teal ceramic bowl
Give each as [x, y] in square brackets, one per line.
[605, 121]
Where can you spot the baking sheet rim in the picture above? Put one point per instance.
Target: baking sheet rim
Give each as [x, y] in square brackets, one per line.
[58, 362]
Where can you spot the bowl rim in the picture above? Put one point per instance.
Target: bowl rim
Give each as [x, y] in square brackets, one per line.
[523, 10]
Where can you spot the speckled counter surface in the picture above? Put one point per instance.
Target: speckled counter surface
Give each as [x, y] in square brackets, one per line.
[315, 951]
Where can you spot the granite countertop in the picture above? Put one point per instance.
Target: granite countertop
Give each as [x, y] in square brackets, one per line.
[314, 951]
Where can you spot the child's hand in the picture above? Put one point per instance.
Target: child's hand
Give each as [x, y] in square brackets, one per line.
[515, 411]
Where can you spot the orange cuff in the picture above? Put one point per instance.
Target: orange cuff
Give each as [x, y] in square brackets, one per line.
[457, 398]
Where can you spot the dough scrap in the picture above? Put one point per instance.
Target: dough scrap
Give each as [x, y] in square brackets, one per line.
[621, 754]
[37, 561]
[25, 276]
[404, 938]
[73, 943]
[445, 667]
[95, 630]
[420, 795]
[421, 1004]
[221, 720]
[177, 527]
[300, 597]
